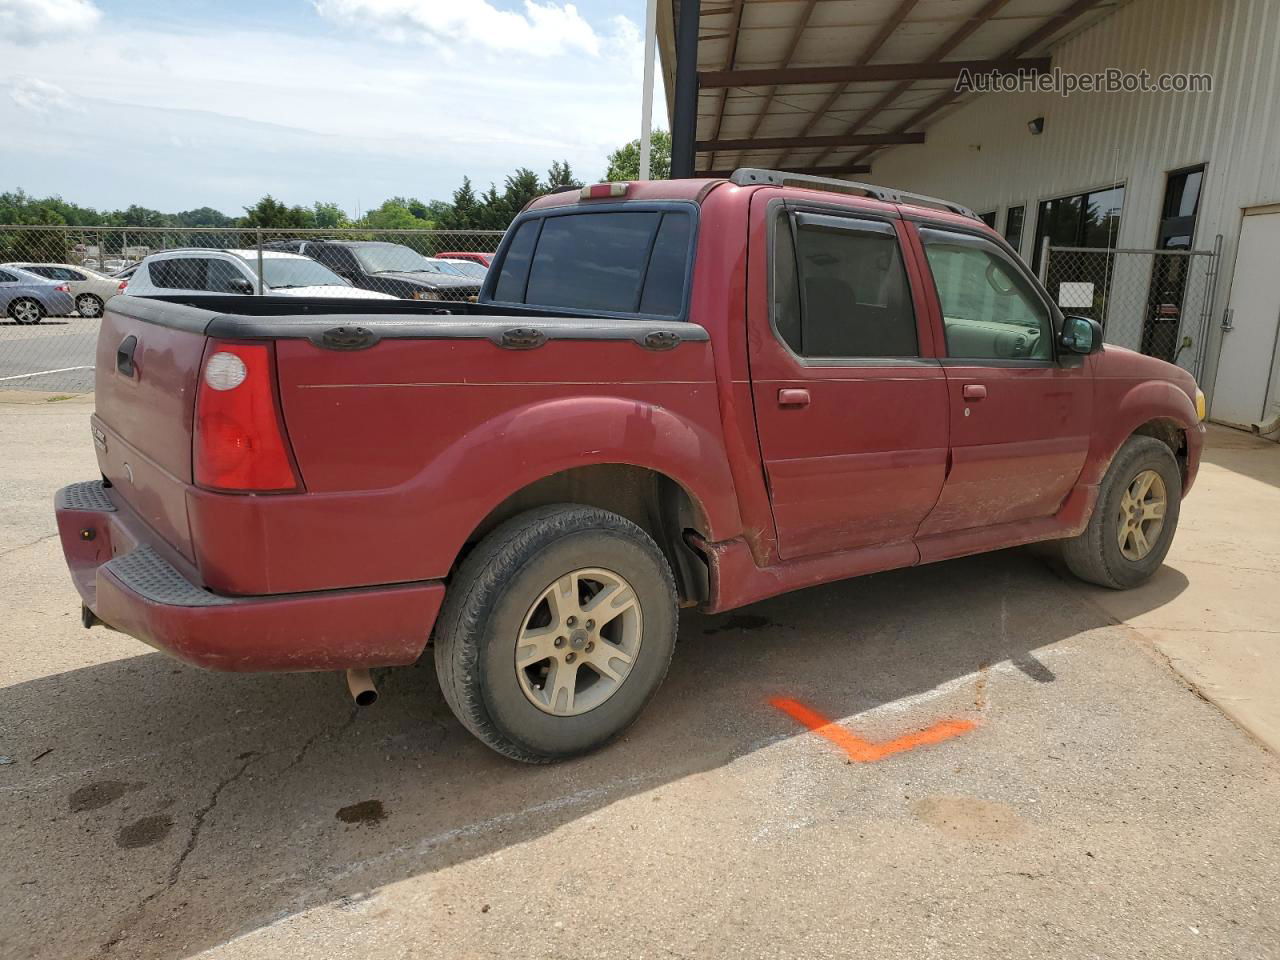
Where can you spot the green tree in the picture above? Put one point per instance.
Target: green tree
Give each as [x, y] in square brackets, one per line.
[464, 211]
[203, 217]
[394, 214]
[270, 212]
[624, 163]
[330, 215]
[560, 175]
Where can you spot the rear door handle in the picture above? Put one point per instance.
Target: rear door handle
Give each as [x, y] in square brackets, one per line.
[793, 398]
[975, 391]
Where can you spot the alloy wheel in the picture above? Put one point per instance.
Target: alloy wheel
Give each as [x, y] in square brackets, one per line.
[1142, 510]
[578, 642]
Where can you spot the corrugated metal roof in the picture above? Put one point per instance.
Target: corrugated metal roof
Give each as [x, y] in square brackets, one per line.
[775, 34]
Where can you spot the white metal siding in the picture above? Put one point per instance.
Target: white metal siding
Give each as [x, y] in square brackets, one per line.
[983, 155]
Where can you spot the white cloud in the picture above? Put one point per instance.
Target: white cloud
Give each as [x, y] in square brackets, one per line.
[543, 30]
[40, 96]
[35, 20]
[177, 118]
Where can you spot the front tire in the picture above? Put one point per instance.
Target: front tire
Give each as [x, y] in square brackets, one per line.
[556, 631]
[1133, 524]
[26, 311]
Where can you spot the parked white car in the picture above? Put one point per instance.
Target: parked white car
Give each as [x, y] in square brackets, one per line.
[89, 289]
[236, 271]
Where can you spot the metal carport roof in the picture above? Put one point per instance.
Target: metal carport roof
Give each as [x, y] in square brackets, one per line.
[821, 86]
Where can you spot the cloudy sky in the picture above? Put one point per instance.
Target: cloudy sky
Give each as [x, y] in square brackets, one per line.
[175, 104]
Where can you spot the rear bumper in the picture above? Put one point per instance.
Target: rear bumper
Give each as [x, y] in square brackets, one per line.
[130, 585]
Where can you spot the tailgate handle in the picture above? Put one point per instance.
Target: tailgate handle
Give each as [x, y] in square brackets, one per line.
[522, 338]
[124, 355]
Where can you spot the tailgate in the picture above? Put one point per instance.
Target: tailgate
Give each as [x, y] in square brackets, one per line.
[146, 372]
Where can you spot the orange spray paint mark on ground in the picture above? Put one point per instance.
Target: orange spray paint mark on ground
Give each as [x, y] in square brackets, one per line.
[864, 751]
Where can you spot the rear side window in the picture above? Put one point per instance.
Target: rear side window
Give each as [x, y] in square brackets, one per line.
[7, 277]
[612, 262]
[184, 273]
[840, 289]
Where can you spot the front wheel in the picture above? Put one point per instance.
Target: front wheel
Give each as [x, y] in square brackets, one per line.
[26, 311]
[556, 631]
[1133, 523]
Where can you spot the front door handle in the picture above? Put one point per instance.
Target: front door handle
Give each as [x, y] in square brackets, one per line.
[793, 398]
[975, 391]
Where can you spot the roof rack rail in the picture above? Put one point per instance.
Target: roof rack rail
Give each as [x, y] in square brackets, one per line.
[746, 176]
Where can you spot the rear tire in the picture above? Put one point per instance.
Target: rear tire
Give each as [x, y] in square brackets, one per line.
[26, 311]
[519, 613]
[1119, 548]
[89, 306]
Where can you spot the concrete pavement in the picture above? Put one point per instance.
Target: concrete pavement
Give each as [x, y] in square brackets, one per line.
[1090, 804]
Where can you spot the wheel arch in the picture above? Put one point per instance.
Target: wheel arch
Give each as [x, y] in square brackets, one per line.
[1172, 434]
[651, 499]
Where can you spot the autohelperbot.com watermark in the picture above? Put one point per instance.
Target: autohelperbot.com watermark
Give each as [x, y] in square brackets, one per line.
[1066, 84]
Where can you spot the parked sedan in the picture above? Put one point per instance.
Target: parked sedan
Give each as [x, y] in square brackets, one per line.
[27, 298]
[467, 268]
[91, 290]
[236, 271]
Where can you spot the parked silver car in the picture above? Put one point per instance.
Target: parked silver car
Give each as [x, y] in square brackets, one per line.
[27, 298]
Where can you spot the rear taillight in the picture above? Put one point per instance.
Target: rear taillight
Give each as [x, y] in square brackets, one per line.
[124, 284]
[62, 288]
[239, 440]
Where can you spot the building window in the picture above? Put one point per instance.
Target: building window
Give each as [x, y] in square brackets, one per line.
[988, 218]
[1084, 220]
[1176, 231]
[1013, 220]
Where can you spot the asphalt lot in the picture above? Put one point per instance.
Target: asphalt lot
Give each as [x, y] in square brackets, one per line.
[56, 354]
[1087, 800]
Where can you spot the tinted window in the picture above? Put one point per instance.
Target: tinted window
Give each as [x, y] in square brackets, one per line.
[988, 218]
[664, 283]
[7, 277]
[515, 265]
[851, 286]
[592, 261]
[184, 273]
[220, 275]
[989, 309]
[47, 272]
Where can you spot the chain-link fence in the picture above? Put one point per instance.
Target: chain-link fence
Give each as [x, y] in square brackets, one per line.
[55, 281]
[1157, 302]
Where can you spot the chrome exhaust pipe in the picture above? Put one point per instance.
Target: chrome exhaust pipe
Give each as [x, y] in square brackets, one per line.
[363, 692]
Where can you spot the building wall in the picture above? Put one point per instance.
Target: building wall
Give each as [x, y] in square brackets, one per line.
[983, 155]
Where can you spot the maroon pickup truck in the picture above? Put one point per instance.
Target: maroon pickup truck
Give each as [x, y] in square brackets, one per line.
[685, 393]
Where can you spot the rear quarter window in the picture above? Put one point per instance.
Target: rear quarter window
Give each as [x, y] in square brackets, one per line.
[617, 261]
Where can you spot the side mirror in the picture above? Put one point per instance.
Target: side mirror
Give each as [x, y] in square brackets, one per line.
[240, 285]
[1080, 335]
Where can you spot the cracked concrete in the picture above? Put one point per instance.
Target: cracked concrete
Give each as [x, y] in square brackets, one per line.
[1098, 807]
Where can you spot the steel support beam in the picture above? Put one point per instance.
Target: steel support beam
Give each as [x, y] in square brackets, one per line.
[838, 140]
[684, 128]
[869, 72]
